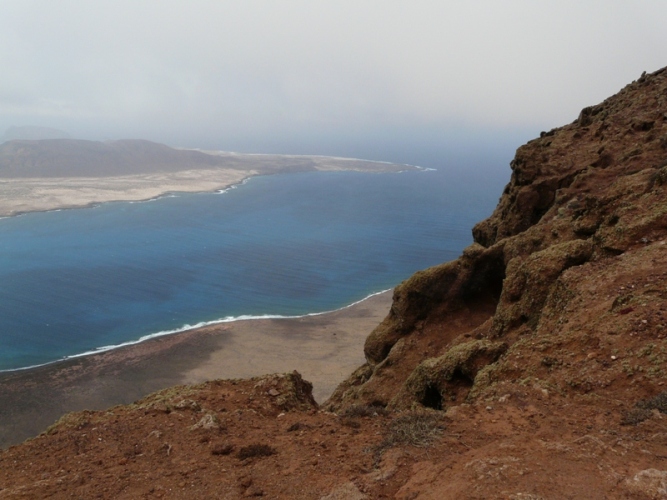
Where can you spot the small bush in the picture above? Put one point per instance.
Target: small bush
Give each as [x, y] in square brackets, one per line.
[256, 450]
[643, 410]
[635, 416]
[657, 403]
[364, 411]
[414, 428]
[658, 178]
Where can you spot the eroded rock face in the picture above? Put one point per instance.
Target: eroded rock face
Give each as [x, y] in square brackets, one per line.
[579, 168]
[439, 382]
[476, 275]
[579, 194]
[284, 392]
[529, 280]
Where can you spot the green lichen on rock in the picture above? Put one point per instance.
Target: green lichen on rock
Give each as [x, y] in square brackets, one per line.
[448, 377]
[529, 280]
[286, 391]
[633, 226]
[413, 299]
[347, 391]
[436, 291]
[73, 420]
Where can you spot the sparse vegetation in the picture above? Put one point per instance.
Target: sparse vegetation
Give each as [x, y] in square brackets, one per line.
[370, 410]
[659, 177]
[659, 403]
[256, 450]
[644, 409]
[416, 428]
[350, 422]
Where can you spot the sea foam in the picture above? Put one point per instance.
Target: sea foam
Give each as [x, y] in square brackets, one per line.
[187, 327]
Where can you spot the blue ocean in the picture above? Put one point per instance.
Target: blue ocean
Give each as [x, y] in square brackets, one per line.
[76, 281]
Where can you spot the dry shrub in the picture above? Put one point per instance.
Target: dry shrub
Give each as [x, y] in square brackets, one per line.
[657, 403]
[658, 178]
[635, 416]
[371, 410]
[644, 409]
[414, 429]
[256, 450]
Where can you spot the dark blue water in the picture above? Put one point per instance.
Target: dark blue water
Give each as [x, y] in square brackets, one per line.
[75, 280]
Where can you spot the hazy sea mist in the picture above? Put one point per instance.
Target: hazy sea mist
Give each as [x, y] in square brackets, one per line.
[72, 281]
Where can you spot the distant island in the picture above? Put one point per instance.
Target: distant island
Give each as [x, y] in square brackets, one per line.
[49, 174]
[33, 133]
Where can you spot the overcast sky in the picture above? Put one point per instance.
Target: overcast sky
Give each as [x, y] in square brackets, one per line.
[318, 76]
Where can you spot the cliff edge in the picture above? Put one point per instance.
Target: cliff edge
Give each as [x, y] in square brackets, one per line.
[532, 367]
[585, 203]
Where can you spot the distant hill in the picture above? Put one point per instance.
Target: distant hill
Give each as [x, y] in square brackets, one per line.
[51, 158]
[33, 133]
[75, 158]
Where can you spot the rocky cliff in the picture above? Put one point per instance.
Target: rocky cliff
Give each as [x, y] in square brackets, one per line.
[584, 202]
[532, 367]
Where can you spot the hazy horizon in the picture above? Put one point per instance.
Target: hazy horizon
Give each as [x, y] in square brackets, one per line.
[405, 82]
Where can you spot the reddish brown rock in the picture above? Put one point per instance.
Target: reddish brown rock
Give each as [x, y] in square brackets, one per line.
[534, 366]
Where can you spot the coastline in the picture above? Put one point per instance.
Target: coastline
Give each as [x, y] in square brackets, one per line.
[21, 196]
[323, 347]
[192, 328]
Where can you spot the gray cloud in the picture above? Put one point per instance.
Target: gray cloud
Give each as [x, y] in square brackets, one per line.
[258, 74]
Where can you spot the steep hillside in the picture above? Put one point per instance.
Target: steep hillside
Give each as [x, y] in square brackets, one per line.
[532, 367]
[585, 203]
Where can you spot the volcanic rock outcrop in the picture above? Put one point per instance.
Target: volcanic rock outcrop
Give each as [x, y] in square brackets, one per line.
[532, 367]
[582, 199]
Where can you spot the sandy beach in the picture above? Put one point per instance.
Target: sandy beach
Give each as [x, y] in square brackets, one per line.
[52, 189]
[323, 348]
[40, 194]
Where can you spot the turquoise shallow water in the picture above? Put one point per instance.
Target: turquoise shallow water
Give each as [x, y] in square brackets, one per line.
[73, 281]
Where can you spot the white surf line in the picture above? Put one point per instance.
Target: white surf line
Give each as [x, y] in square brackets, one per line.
[187, 327]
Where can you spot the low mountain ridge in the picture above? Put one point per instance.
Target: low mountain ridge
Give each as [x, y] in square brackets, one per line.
[76, 157]
[531, 367]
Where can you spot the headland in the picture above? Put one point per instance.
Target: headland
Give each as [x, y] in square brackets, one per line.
[55, 174]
